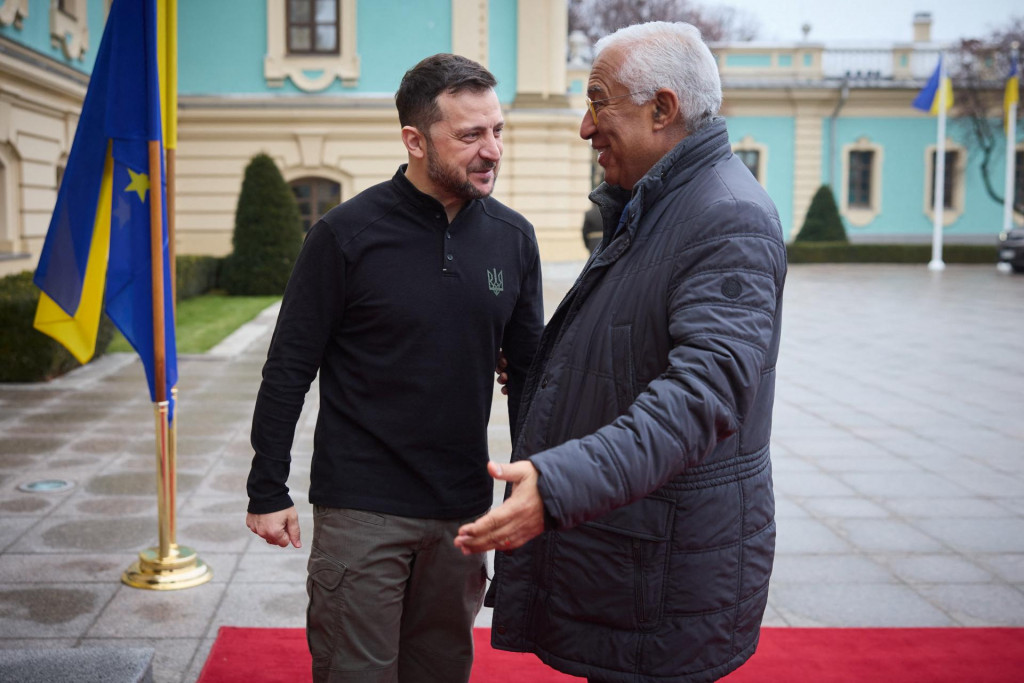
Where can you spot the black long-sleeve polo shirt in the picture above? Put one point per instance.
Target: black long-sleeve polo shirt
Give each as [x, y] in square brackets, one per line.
[403, 315]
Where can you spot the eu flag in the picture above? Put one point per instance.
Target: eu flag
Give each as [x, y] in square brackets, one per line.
[97, 253]
[939, 87]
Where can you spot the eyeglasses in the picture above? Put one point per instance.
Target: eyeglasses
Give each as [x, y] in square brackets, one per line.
[593, 109]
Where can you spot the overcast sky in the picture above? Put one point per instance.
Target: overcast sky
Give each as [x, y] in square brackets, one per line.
[874, 20]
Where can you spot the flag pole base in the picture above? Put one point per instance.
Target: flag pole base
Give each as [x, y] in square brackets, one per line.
[182, 568]
[936, 264]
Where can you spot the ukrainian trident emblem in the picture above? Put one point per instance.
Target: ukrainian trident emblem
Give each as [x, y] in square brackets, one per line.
[496, 281]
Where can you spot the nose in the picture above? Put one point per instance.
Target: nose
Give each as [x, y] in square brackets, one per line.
[491, 149]
[587, 126]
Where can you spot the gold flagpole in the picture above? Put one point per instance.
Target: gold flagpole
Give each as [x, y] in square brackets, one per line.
[168, 566]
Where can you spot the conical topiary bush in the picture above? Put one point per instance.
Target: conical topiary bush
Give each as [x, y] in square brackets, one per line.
[822, 223]
[268, 233]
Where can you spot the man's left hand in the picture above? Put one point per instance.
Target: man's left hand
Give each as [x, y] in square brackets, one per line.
[519, 519]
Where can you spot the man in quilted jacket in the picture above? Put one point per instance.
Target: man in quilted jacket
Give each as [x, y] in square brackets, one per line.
[638, 533]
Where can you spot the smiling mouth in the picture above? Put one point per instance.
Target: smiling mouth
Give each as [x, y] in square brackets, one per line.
[487, 172]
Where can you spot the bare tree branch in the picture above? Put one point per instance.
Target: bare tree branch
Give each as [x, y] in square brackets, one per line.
[597, 18]
[979, 71]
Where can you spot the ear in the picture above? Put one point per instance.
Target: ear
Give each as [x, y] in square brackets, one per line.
[666, 109]
[415, 142]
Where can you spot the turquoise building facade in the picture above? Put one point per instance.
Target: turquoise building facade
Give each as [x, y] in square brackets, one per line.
[798, 114]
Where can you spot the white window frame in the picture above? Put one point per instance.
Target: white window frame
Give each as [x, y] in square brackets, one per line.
[956, 209]
[860, 216]
[748, 144]
[310, 73]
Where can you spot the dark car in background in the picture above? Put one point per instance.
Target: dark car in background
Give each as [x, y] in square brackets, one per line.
[1011, 248]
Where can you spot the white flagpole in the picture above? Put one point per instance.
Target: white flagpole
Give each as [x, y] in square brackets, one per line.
[940, 174]
[1011, 154]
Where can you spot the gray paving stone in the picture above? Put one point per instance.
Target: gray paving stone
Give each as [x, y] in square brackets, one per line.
[157, 614]
[937, 569]
[807, 484]
[886, 535]
[51, 609]
[945, 508]
[978, 605]
[856, 605]
[172, 656]
[804, 536]
[792, 568]
[902, 485]
[278, 605]
[1008, 566]
[983, 535]
[843, 507]
[286, 565]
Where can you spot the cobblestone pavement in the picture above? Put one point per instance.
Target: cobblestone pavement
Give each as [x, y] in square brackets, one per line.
[898, 459]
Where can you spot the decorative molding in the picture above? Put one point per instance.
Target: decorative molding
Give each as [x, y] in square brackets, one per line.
[12, 12]
[541, 48]
[310, 73]
[469, 30]
[860, 216]
[70, 32]
[9, 200]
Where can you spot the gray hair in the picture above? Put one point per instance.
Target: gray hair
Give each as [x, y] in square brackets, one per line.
[661, 54]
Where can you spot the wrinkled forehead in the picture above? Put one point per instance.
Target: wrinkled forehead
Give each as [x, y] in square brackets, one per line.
[470, 108]
[604, 74]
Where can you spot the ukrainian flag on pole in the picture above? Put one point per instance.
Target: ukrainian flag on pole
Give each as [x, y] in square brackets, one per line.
[99, 253]
[937, 92]
[1011, 95]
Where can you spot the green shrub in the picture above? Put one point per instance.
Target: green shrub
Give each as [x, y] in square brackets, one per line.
[844, 252]
[268, 233]
[195, 275]
[26, 354]
[822, 223]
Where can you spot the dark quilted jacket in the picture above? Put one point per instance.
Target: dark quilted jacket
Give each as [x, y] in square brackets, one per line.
[648, 415]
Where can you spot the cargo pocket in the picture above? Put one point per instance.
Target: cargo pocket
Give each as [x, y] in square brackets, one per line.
[611, 570]
[325, 604]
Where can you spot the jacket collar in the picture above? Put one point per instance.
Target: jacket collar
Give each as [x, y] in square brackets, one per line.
[693, 152]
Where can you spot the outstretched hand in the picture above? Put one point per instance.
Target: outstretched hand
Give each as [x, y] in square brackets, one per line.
[276, 528]
[513, 523]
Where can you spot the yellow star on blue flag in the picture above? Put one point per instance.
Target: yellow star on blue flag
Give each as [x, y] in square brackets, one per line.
[139, 184]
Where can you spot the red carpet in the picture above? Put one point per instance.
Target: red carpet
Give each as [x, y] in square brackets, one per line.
[793, 655]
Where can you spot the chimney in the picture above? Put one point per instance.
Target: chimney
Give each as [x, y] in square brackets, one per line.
[922, 27]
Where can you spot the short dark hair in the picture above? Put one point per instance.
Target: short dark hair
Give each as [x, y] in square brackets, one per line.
[416, 98]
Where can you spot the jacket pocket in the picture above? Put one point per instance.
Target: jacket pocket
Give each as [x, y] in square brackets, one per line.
[623, 367]
[611, 570]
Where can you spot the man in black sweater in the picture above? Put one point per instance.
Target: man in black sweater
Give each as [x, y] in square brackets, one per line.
[403, 298]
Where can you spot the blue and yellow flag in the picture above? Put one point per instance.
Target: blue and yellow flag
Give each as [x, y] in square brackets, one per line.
[934, 92]
[97, 251]
[1011, 95]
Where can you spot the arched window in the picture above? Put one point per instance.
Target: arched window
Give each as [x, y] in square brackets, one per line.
[316, 196]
